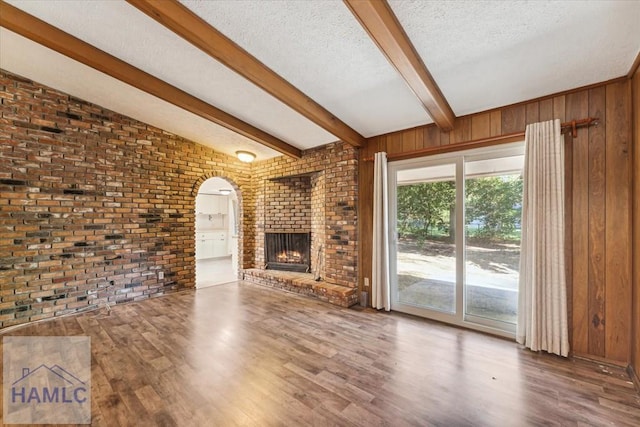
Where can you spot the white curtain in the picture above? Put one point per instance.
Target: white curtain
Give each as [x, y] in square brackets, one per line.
[542, 305]
[380, 294]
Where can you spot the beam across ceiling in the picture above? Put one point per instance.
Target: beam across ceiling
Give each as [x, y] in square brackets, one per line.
[186, 24]
[47, 35]
[385, 30]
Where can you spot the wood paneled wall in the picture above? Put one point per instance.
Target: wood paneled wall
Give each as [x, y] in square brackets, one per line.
[599, 170]
[635, 336]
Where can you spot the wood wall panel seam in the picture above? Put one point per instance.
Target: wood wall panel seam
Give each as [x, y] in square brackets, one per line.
[481, 126]
[596, 223]
[568, 174]
[559, 107]
[618, 222]
[635, 333]
[578, 104]
[532, 113]
[546, 110]
[496, 123]
[514, 118]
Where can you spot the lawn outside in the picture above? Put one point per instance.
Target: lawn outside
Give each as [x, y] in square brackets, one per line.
[426, 276]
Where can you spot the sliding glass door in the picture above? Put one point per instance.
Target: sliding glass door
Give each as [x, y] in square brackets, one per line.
[425, 257]
[455, 237]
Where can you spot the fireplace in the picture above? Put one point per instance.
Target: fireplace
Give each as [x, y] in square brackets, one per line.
[288, 251]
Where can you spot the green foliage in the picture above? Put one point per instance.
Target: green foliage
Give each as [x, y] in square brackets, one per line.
[495, 203]
[424, 209]
[493, 208]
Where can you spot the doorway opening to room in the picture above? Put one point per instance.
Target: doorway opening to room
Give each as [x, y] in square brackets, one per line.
[217, 232]
[455, 237]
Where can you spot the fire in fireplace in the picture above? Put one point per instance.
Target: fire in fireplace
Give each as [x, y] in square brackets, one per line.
[288, 251]
[290, 257]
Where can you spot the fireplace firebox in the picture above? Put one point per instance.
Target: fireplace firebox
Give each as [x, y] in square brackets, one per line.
[288, 251]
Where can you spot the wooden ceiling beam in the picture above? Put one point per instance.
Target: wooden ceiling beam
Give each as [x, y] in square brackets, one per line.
[385, 30]
[47, 35]
[186, 24]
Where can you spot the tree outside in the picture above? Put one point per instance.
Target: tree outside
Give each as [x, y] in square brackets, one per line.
[424, 210]
[494, 206]
[493, 209]
[426, 247]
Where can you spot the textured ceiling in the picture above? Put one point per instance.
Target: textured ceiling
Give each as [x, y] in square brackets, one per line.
[26, 58]
[321, 49]
[487, 54]
[482, 54]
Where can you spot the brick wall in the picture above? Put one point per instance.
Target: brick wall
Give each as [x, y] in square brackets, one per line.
[333, 172]
[287, 204]
[96, 207]
[341, 254]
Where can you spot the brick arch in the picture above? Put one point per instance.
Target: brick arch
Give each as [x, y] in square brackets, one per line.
[232, 179]
[218, 173]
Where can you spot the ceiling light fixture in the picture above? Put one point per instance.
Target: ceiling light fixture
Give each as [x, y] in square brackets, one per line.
[245, 156]
[224, 191]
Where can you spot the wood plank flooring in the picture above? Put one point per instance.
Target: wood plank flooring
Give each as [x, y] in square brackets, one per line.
[243, 355]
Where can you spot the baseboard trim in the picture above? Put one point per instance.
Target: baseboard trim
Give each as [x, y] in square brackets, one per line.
[602, 360]
[634, 377]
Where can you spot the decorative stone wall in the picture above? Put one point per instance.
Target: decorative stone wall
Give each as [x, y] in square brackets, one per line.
[95, 207]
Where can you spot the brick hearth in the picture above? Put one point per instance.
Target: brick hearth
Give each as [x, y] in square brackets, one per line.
[303, 283]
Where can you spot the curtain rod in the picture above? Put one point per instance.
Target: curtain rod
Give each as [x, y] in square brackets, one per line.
[573, 125]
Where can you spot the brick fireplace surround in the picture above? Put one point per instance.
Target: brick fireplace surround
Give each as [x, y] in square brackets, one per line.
[316, 193]
[98, 208]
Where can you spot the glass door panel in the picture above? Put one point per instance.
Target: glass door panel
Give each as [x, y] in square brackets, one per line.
[455, 237]
[426, 253]
[493, 205]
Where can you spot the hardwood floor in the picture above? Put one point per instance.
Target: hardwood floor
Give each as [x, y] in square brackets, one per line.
[240, 354]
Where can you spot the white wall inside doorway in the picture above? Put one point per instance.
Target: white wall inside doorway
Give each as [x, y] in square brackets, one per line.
[216, 233]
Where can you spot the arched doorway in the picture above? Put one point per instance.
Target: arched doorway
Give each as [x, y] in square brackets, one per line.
[217, 229]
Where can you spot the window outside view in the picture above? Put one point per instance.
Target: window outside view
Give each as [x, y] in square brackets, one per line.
[426, 218]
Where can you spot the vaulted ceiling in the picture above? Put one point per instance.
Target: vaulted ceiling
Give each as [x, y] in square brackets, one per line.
[278, 77]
